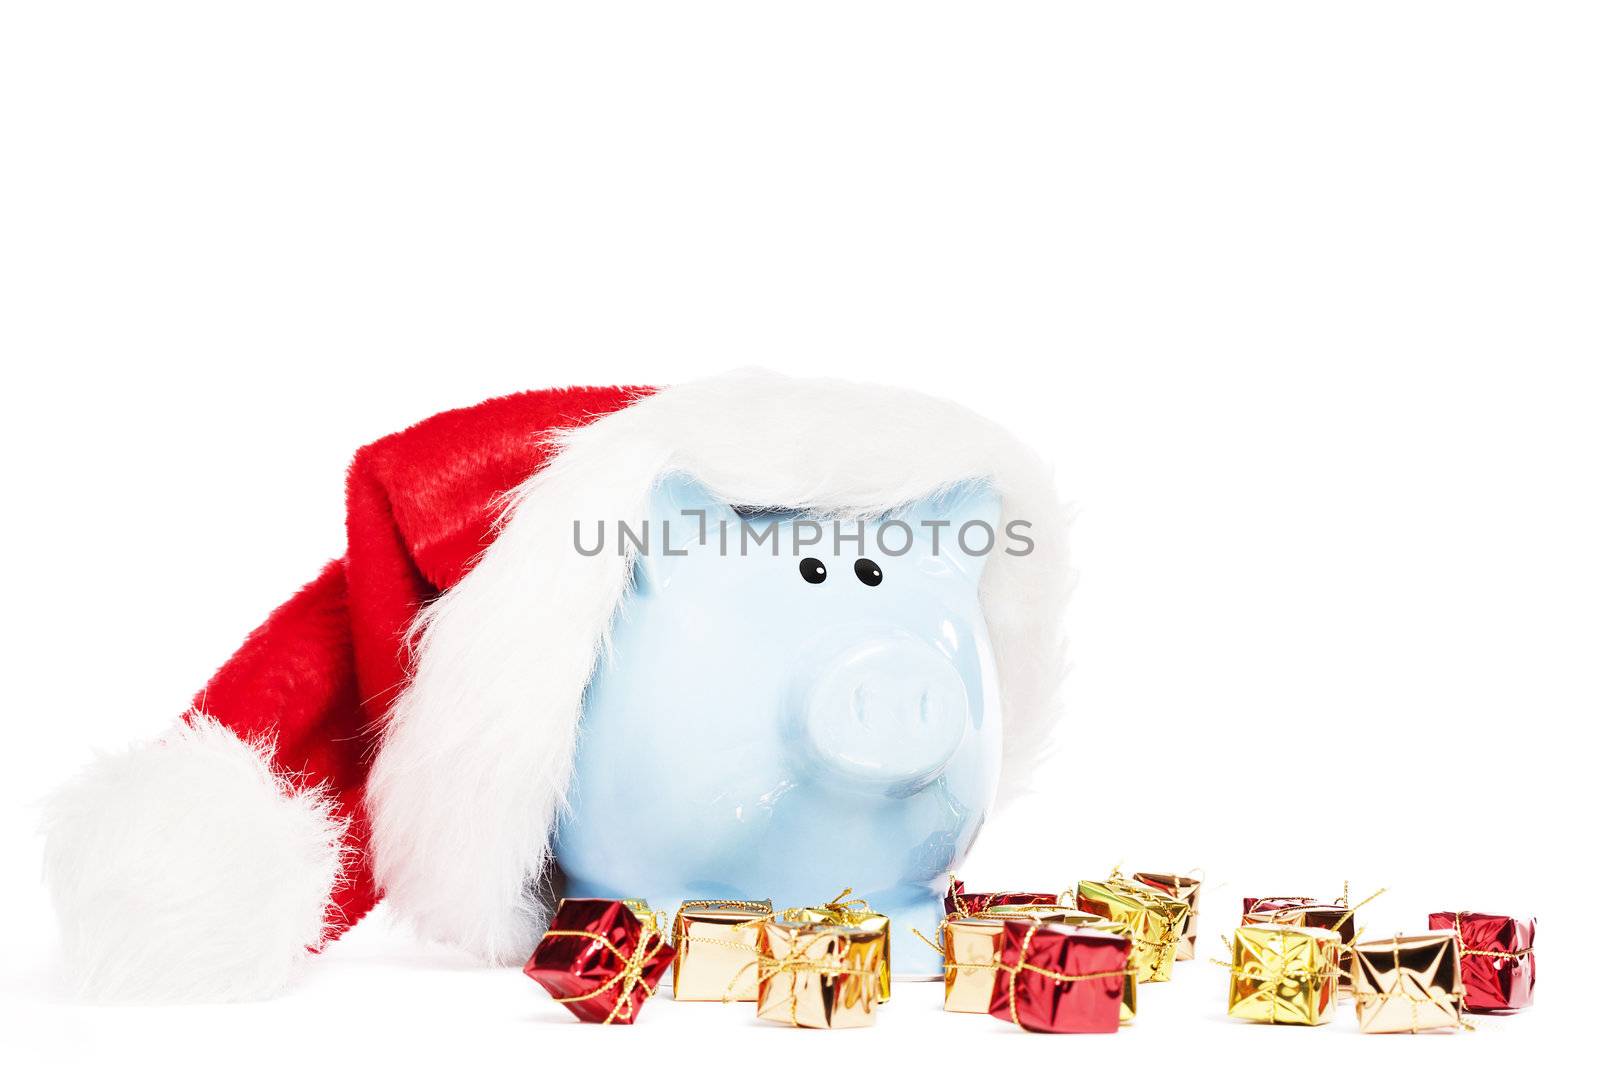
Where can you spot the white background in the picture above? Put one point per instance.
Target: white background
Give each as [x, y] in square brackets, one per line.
[1300, 299]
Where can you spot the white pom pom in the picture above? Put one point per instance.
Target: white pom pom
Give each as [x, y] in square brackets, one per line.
[186, 869]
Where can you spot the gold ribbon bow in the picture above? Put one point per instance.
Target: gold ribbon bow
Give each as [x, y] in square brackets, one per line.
[756, 905]
[841, 904]
[839, 909]
[631, 976]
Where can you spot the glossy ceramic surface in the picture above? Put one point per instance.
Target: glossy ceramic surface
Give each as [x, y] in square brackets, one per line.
[762, 729]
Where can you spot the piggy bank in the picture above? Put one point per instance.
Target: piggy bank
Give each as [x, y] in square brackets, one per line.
[792, 718]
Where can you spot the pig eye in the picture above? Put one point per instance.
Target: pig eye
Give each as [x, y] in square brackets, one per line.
[868, 572]
[812, 570]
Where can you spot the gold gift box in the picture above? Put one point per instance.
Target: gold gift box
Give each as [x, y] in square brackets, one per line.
[1179, 887]
[716, 941]
[1337, 918]
[971, 960]
[858, 913]
[972, 953]
[1284, 974]
[1152, 920]
[818, 975]
[1408, 984]
[641, 911]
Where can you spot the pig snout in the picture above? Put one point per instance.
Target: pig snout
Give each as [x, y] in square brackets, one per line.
[880, 711]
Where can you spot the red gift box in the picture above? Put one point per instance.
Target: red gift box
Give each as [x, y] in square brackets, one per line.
[1496, 958]
[1277, 903]
[1060, 979]
[601, 959]
[1305, 911]
[957, 901]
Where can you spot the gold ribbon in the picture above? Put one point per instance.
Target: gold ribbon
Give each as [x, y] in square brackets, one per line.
[651, 942]
[924, 939]
[839, 909]
[762, 906]
[1519, 954]
[955, 898]
[1344, 898]
[839, 903]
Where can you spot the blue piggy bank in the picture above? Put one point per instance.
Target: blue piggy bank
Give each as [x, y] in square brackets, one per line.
[787, 709]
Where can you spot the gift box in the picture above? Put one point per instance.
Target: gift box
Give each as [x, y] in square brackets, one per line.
[1153, 922]
[1088, 920]
[971, 958]
[1265, 904]
[1302, 911]
[1408, 984]
[940, 941]
[1060, 979]
[601, 958]
[1284, 974]
[957, 901]
[1179, 887]
[1496, 958]
[972, 954]
[818, 975]
[1337, 915]
[844, 911]
[716, 941]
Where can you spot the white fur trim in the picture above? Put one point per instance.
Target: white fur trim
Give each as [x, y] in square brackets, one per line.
[478, 751]
[186, 869]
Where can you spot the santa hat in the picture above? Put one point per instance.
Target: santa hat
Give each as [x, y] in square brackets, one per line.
[404, 726]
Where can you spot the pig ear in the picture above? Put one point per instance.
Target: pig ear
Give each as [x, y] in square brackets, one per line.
[972, 507]
[684, 518]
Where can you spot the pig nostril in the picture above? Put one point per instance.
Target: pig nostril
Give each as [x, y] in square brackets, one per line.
[922, 708]
[858, 704]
